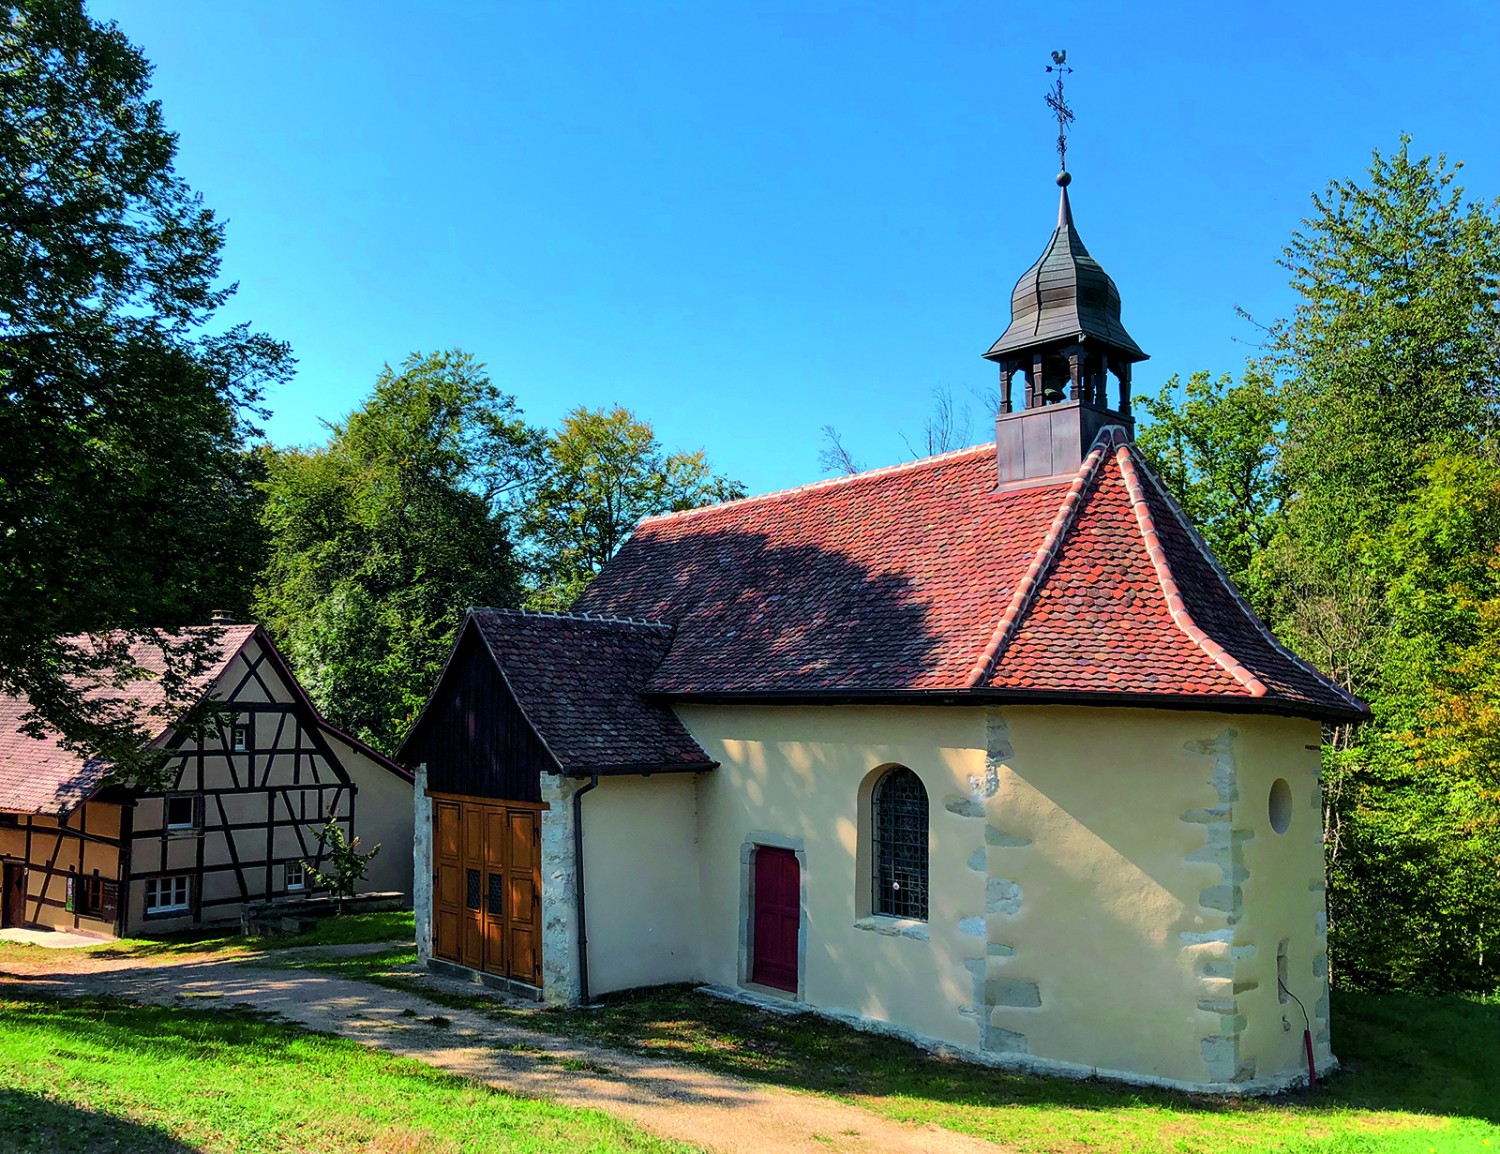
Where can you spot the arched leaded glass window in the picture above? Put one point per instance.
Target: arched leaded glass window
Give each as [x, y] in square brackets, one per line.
[899, 805]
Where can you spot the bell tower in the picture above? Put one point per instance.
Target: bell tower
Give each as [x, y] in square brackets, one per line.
[1066, 351]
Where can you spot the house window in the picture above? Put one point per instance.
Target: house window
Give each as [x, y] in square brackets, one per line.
[182, 812]
[168, 895]
[91, 896]
[239, 738]
[899, 819]
[296, 876]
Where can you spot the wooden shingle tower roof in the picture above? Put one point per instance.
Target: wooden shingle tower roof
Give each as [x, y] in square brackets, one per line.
[1066, 297]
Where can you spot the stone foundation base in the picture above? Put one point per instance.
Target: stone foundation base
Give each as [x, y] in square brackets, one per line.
[479, 978]
[1029, 1063]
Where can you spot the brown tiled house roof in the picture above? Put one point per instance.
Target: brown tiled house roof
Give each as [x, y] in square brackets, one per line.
[923, 581]
[41, 775]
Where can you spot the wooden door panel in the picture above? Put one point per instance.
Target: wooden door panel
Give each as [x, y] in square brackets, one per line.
[523, 857]
[488, 889]
[777, 918]
[448, 929]
[494, 838]
[473, 837]
[524, 960]
[450, 892]
[521, 826]
[446, 815]
[473, 914]
[13, 900]
[520, 903]
[494, 922]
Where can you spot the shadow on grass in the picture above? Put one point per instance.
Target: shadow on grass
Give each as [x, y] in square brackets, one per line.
[1438, 1056]
[1401, 1053]
[356, 929]
[120, 1025]
[33, 1124]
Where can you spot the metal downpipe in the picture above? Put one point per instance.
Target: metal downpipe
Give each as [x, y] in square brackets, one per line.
[583, 933]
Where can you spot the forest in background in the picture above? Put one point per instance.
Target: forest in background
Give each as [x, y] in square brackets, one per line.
[1346, 479]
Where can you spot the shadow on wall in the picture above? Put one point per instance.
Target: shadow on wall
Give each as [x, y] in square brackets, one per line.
[32, 1124]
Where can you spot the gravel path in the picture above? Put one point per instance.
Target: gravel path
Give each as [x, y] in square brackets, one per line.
[680, 1102]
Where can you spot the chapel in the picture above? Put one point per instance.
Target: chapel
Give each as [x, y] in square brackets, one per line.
[984, 750]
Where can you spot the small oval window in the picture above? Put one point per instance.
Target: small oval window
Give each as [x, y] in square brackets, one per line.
[1281, 805]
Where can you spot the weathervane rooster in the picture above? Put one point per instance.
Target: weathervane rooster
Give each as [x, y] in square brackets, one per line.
[1059, 105]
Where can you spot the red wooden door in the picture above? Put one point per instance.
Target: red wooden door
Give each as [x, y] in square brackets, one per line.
[13, 898]
[777, 918]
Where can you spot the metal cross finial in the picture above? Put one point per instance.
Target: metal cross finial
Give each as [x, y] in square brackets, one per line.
[1059, 105]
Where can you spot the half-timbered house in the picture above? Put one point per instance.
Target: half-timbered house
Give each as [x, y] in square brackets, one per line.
[251, 785]
[983, 749]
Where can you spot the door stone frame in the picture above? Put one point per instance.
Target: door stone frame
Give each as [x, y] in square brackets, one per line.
[753, 841]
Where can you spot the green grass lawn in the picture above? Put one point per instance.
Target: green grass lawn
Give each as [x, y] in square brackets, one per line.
[1420, 1075]
[79, 1077]
[357, 928]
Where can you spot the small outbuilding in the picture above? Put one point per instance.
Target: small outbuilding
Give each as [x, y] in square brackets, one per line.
[984, 750]
[250, 790]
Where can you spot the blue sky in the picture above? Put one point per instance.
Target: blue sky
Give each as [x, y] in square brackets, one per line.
[748, 221]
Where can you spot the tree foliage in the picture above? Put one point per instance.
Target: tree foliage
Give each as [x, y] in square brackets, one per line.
[1214, 442]
[1415, 798]
[603, 471]
[380, 540]
[125, 501]
[1349, 481]
[344, 864]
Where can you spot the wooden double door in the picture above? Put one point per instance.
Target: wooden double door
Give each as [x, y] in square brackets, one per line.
[487, 888]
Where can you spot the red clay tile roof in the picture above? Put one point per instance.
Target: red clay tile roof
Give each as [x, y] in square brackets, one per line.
[922, 579]
[578, 680]
[42, 776]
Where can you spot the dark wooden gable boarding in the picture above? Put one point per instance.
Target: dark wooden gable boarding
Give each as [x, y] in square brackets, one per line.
[473, 736]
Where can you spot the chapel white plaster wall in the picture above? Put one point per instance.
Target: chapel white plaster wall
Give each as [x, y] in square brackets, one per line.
[795, 774]
[1079, 917]
[1284, 895]
[641, 881]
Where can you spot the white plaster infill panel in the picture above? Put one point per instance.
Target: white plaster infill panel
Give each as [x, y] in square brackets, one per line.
[798, 846]
[421, 877]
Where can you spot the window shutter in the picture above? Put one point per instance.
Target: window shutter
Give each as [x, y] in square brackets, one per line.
[110, 902]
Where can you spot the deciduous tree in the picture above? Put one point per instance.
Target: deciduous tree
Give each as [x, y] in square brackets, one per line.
[124, 502]
[605, 470]
[1389, 365]
[1214, 443]
[381, 539]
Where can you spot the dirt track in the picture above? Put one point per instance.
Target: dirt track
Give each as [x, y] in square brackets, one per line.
[675, 1101]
